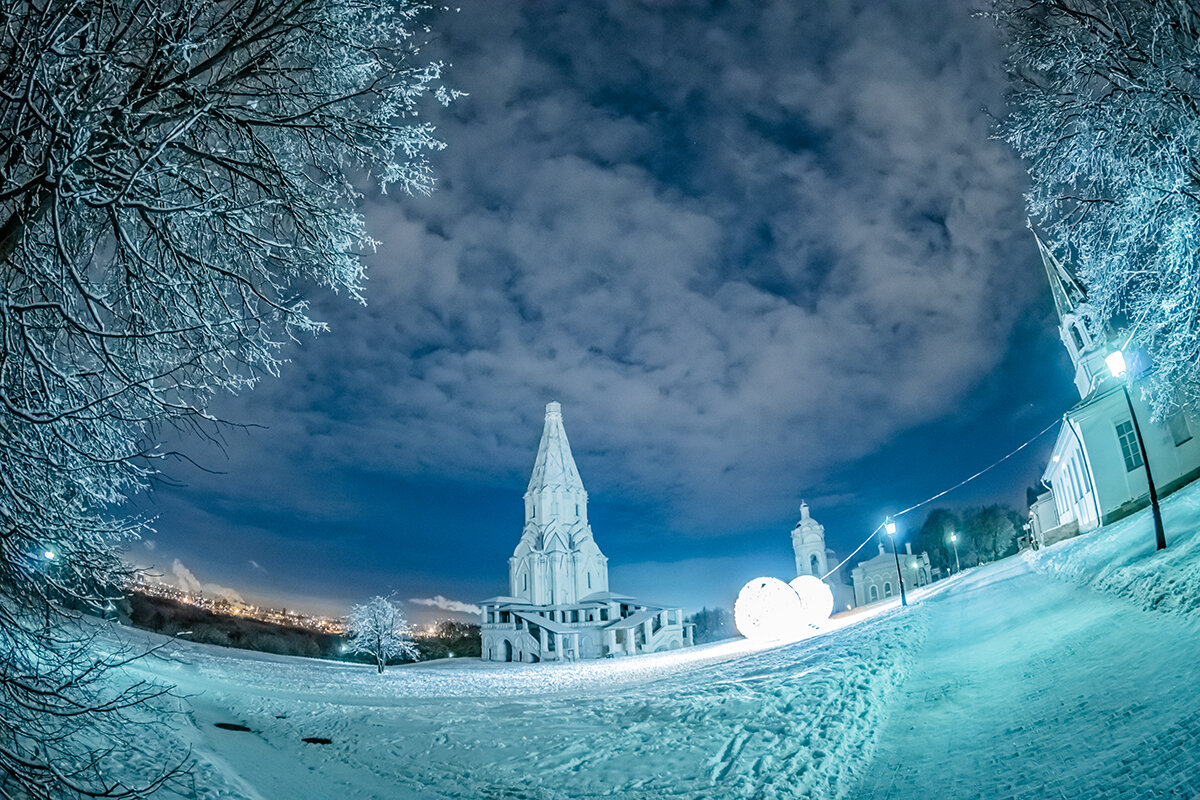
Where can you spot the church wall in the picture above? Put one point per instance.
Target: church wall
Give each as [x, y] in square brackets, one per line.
[1118, 489]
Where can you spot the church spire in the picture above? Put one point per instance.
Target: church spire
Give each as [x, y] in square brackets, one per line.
[557, 560]
[1065, 288]
[554, 467]
[1084, 340]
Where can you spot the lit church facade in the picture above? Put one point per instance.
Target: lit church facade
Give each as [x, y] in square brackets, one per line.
[559, 606]
[1096, 473]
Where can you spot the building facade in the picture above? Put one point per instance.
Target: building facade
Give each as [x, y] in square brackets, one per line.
[1096, 473]
[814, 558]
[559, 606]
[875, 579]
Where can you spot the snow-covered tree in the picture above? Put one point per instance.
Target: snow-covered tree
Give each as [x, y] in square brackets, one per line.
[174, 175]
[1105, 107]
[379, 629]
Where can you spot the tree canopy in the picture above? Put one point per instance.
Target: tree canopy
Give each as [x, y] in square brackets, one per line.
[1105, 108]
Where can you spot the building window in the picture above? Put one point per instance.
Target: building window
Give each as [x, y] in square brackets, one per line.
[874, 593]
[1080, 336]
[1129, 446]
[887, 589]
[589, 580]
[813, 563]
[1180, 432]
[1077, 337]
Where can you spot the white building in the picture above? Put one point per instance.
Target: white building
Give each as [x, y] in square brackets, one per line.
[875, 579]
[814, 558]
[1096, 474]
[559, 606]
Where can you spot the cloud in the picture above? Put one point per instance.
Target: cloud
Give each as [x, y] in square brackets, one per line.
[447, 605]
[257, 566]
[745, 244]
[739, 265]
[188, 582]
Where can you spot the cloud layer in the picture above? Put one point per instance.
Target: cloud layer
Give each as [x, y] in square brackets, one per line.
[744, 244]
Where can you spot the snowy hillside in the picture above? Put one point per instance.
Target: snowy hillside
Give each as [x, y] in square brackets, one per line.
[1006, 681]
[1121, 558]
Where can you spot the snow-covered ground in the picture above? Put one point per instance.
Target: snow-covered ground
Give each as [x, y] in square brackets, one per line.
[1006, 681]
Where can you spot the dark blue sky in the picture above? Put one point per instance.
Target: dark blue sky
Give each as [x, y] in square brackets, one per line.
[759, 252]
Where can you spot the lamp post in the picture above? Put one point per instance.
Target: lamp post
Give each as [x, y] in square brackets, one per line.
[889, 525]
[954, 541]
[1116, 365]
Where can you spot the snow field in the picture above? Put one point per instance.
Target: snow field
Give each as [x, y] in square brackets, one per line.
[1120, 559]
[731, 720]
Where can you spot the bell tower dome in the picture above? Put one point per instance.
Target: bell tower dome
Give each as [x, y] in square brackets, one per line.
[808, 542]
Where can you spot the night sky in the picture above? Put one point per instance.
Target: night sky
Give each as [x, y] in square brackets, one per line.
[759, 252]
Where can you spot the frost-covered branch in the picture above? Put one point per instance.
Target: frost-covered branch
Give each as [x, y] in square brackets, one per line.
[174, 176]
[1105, 99]
[379, 629]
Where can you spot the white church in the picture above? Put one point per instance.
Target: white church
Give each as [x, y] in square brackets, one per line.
[1096, 474]
[559, 606]
[813, 558]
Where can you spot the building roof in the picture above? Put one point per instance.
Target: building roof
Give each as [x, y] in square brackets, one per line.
[549, 624]
[1065, 288]
[633, 620]
[555, 466]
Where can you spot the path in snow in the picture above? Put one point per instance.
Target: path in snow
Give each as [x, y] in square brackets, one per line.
[1029, 687]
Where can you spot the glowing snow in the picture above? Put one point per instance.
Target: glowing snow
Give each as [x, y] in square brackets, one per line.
[768, 609]
[816, 598]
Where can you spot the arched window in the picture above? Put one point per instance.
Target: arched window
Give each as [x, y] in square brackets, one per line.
[887, 589]
[524, 582]
[813, 563]
[1077, 337]
[589, 580]
[874, 593]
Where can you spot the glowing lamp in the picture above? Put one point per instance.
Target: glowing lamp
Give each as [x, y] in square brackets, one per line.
[1116, 363]
[954, 537]
[48, 555]
[889, 525]
[816, 599]
[768, 609]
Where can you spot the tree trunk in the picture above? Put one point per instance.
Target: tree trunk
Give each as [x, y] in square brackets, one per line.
[379, 664]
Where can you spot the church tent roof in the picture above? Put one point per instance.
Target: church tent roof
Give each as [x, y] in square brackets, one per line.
[1066, 289]
[554, 467]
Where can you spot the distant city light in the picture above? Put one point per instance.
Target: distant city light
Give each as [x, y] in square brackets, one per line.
[49, 555]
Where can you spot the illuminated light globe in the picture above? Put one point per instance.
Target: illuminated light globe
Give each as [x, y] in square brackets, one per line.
[768, 609]
[816, 599]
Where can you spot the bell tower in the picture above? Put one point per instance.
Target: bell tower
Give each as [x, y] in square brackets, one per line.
[808, 542]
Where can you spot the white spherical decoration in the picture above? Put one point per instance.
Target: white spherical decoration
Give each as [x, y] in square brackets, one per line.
[816, 599]
[768, 609]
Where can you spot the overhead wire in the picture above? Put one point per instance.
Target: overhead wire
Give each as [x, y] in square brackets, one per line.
[943, 493]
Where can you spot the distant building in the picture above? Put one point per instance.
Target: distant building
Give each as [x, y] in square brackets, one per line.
[1096, 474]
[875, 578]
[559, 606]
[814, 558]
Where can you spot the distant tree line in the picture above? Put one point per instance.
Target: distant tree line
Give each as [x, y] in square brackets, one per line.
[172, 618]
[985, 534]
[712, 624]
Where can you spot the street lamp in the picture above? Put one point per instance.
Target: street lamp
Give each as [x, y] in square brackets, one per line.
[954, 541]
[1116, 365]
[889, 525]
